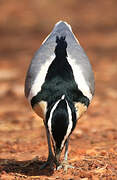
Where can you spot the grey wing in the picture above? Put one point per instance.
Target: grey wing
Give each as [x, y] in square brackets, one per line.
[80, 64]
[45, 55]
[43, 58]
[39, 66]
[78, 60]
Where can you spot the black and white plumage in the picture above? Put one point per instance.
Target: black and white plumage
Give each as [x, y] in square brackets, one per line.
[60, 86]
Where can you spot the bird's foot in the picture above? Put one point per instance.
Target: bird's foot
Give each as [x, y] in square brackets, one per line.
[64, 165]
[50, 162]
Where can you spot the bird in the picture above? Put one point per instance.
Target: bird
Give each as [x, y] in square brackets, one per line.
[59, 86]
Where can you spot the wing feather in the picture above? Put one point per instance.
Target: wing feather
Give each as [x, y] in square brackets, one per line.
[77, 58]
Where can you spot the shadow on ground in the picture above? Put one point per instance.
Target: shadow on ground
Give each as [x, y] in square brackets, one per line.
[27, 168]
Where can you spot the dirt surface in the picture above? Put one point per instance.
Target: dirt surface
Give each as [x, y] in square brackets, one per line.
[93, 144]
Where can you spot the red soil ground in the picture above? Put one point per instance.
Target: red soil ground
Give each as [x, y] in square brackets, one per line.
[93, 144]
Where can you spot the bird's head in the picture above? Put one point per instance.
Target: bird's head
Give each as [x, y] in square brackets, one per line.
[60, 120]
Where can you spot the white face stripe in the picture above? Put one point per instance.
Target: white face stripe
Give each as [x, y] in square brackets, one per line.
[70, 125]
[63, 96]
[81, 82]
[50, 118]
[39, 80]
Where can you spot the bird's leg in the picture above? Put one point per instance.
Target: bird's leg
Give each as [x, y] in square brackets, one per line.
[57, 158]
[51, 159]
[66, 150]
[64, 164]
